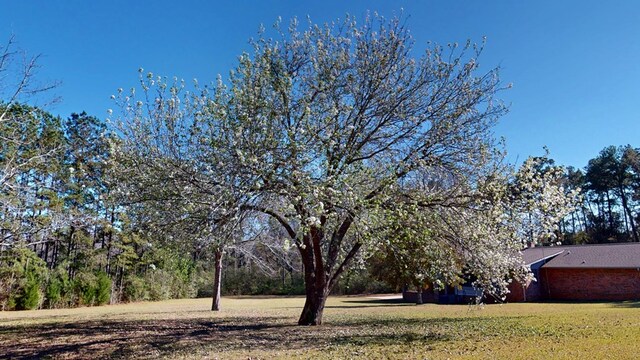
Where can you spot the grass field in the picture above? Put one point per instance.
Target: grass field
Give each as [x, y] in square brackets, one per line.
[355, 327]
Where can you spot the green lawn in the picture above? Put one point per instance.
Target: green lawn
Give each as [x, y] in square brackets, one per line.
[355, 327]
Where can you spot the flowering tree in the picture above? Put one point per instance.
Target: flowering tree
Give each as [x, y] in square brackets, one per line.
[329, 120]
[441, 246]
[318, 128]
[518, 210]
[170, 167]
[538, 198]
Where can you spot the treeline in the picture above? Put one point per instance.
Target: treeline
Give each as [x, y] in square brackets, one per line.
[610, 185]
[66, 240]
[69, 240]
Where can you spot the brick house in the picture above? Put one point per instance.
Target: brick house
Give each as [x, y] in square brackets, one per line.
[581, 273]
[577, 273]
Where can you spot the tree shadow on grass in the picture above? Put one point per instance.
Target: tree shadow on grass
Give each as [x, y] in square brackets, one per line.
[394, 301]
[98, 339]
[370, 303]
[153, 338]
[627, 305]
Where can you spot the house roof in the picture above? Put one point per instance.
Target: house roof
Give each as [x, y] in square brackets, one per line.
[618, 256]
[535, 254]
[611, 256]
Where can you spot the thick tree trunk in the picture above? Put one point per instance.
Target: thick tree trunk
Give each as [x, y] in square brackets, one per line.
[318, 283]
[217, 281]
[315, 283]
[313, 306]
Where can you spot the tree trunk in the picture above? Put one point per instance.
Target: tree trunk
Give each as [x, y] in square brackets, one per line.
[316, 287]
[611, 224]
[69, 251]
[627, 211]
[217, 281]
[45, 254]
[313, 306]
[585, 219]
[318, 284]
[419, 295]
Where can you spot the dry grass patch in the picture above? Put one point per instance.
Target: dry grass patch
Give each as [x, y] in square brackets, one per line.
[356, 327]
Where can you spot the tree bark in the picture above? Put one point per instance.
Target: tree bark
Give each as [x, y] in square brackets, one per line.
[313, 306]
[627, 211]
[318, 281]
[315, 281]
[217, 281]
[419, 295]
[611, 225]
[321, 270]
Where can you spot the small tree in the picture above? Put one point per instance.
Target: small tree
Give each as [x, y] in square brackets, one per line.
[482, 241]
[170, 169]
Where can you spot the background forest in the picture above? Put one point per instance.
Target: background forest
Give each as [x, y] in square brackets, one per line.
[66, 241]
[70, 236]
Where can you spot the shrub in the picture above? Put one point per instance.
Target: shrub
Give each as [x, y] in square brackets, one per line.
[102, 289]
[84, 286]
[53, 292]
[59, 291]
[157, 284]
[30, 297]
[22, 274]
[134, 289]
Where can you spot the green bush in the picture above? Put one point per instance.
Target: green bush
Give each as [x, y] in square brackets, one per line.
[84, 286]
[103, 289]
[134, 289]
[31, 296]
[11, 303]
[158, 284]
[22, 276]
[59, 291]
[53, 293]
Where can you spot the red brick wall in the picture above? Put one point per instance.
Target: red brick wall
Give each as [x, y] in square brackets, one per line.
[517, 291]
[590, 284]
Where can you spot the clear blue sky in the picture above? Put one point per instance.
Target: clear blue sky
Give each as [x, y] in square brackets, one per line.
[575, 65]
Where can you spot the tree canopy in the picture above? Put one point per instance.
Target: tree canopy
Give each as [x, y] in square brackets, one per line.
[319, 127]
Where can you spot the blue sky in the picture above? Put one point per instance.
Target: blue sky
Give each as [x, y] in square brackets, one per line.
[574, 65]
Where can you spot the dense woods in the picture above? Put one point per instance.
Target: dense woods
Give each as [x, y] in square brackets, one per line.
[609, 212]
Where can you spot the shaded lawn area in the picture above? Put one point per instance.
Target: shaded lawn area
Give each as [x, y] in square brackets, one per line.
[360, 327]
